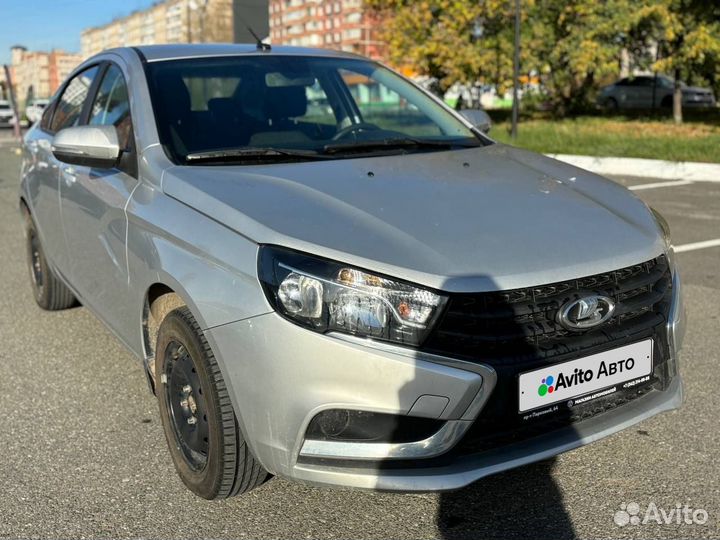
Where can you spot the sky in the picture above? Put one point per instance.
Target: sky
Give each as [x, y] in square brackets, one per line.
[47, 24]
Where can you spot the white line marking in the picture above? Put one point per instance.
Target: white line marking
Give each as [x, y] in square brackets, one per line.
[654, 185]
[698, 245]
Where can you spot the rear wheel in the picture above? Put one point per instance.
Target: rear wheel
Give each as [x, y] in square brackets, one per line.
[207, 448]
[50, 293]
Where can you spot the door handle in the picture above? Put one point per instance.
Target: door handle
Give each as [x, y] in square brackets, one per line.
[69, 175]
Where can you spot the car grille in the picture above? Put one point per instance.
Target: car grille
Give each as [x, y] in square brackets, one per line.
[517, 326]
[516, 331]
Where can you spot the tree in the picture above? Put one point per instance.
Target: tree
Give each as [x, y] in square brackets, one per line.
[577, 43]
[688, 36]
[572, 44]
[451, 41]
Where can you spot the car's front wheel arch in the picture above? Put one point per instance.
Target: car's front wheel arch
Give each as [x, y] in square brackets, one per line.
[159, 300]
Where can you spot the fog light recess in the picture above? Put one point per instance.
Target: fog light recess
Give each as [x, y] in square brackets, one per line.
[345, 425]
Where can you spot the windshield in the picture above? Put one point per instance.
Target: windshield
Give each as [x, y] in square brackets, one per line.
[234, 108]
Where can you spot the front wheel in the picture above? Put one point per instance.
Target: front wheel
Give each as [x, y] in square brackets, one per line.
[205, 442]
[611, 105]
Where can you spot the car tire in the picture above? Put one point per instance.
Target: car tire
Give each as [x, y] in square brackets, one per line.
[208, 450]
[611, 105]
[50, 293]
[667, 102]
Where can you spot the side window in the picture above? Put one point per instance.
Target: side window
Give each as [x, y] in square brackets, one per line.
[70, 105]
[112, 106]
[47, 116]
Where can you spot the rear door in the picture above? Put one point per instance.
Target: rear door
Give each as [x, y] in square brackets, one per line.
[93, 206]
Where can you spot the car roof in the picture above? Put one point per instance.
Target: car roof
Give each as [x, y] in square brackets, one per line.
[156, 53]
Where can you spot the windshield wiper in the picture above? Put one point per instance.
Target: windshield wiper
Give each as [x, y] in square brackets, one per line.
[399, 142]
[251, 154]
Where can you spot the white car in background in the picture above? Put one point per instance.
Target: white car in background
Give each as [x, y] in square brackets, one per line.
[7, 118]
[34, 109]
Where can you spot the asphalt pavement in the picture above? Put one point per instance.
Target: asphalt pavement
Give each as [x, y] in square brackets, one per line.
[84, 454]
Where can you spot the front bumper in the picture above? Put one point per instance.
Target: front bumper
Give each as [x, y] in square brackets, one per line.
[280, 376]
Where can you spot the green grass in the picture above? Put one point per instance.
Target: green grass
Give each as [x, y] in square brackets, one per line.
[695, 140]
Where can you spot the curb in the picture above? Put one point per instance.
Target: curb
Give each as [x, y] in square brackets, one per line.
[648, 168]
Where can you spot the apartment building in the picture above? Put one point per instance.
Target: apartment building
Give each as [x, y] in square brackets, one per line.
[170, 21]
[334, 24]
[38, 73]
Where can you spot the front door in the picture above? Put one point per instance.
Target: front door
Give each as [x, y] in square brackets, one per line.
[93, 209]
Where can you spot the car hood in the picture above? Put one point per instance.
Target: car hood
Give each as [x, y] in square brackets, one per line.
[476, 219]
[696, 90]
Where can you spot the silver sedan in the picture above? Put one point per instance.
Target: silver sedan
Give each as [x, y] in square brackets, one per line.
[649, 92]
[329, 275]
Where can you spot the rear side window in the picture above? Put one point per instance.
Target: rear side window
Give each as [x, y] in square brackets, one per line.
[112, 106]
[46, 118]
[70, 105]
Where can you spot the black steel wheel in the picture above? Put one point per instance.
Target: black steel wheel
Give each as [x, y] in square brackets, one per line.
[50, 293]
[187, 406]
[203, 435]
[36, 266]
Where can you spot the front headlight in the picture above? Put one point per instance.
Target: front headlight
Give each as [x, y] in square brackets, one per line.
[327, 296]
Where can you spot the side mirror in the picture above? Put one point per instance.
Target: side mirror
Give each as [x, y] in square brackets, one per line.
[91, 146]
[478, 118]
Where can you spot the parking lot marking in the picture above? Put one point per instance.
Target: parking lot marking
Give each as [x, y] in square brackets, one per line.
[654, 185]
[698, 245]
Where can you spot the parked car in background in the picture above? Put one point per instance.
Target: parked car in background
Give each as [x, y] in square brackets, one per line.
[649, 92]
[329, 275]
[7, 117]
[34, 109]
